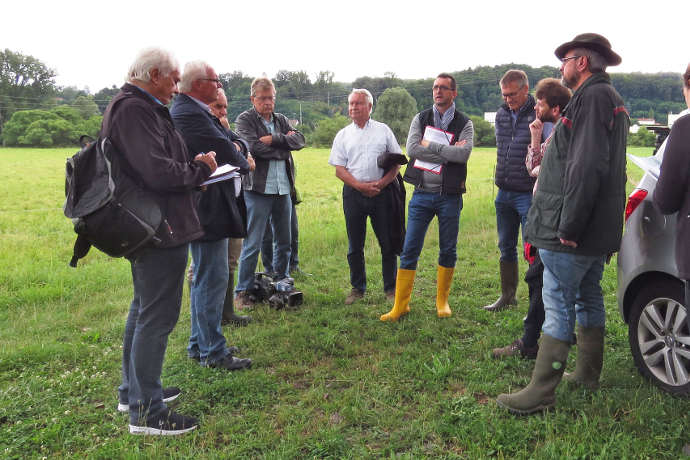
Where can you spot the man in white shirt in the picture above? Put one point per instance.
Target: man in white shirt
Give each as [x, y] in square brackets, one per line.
[354, 154]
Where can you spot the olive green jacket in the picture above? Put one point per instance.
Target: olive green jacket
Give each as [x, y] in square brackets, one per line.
[580, 195]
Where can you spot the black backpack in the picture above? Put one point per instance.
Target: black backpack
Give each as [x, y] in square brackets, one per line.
[109, 210]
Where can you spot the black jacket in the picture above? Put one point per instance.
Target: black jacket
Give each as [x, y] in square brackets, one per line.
[155, 155]
[251, 128]
[221, 214]
[672, 193]
[511, 148]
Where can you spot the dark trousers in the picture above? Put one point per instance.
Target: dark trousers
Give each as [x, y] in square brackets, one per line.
[357, 208]
[534, 277]
[158, 276]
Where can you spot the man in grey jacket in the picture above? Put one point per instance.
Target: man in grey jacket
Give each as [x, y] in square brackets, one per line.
[576, 221]
[267, 189]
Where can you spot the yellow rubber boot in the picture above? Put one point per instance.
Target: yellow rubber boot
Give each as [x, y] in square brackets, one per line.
[444, 278]
[403, 292]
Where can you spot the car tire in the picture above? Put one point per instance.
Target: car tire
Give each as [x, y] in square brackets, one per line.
[659, 336]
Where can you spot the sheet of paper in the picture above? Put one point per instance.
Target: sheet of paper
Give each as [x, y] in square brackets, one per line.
[434, 168]
[223, 172]
[439, 136]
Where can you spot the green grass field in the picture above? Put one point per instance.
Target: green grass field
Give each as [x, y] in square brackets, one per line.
[328, 381]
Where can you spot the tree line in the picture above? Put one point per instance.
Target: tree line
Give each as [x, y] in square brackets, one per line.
[35, 111]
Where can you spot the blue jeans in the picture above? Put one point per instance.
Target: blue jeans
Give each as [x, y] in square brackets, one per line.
[357, 208]
[572, 291]
[422, 208]
[260, 208]
[157, 276]
[511, 212]
[207, 297]
[268, 251]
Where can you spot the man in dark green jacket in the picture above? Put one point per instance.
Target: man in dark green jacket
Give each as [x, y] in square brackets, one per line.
[576, 220]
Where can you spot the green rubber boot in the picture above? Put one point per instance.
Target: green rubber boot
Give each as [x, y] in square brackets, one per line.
[540, 394]
[590, 357]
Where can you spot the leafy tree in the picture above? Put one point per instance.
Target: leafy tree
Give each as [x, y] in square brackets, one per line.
[103, 97]
[396, 108]
[86, 106]
[326, 129]
[62, 125]
[484, 133]
[25, 82]
[642, 138]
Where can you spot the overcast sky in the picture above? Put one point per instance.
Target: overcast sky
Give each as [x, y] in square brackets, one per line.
[92, 43]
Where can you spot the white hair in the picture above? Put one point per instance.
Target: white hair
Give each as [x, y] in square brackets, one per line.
[368, 95]
[595, 61]
[149, 59]
[192, 72]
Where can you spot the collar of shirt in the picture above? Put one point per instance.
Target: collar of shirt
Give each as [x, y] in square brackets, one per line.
[366, 125]
[270, 125]
[442, 121]
[154, 98]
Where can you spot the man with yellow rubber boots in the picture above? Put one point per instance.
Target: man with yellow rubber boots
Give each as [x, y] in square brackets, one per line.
[439, 144]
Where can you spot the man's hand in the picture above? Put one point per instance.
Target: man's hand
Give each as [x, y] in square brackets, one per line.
[266, 139]
[424, 143]
[569, 243]
[290, 133]
[535, 129]
[461, 143]
[370, 189]
[209, 159]
[224, 121]
[252, 163]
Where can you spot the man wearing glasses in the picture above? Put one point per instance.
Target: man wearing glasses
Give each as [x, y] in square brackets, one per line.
[220, 212]
[438, 169]
[576, 221]
[514, 184]
[267, 189]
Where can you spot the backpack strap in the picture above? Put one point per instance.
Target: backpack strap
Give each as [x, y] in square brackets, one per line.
[81, 248]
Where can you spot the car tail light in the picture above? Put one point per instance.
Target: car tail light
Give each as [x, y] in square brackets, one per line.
[634, 201]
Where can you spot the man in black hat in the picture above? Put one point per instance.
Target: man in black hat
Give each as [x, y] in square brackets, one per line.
[576, 221]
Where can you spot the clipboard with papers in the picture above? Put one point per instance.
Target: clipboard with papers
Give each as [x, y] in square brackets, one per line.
[438, 136]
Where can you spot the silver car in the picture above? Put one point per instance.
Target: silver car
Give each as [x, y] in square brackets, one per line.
[650, 294]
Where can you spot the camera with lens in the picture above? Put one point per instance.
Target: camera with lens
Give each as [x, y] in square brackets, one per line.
[279, 293]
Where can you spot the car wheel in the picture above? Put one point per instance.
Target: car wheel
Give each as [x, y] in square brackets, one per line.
[660, 338]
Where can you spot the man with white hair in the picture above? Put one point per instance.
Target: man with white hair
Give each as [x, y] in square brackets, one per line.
[354, 154]
[151, 152]
[221, 211]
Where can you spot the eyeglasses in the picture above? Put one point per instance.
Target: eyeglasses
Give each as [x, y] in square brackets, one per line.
[215, 80]
[440, 88]
[566, 59]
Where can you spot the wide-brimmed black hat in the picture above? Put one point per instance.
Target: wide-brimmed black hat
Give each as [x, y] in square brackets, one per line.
[590, 41]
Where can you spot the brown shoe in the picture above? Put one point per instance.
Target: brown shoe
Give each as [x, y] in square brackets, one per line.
[353, 296]
[243, 302]
[390, 295]
[516, 348]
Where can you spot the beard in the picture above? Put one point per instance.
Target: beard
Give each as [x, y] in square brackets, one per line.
[547, 117]
[571, 82]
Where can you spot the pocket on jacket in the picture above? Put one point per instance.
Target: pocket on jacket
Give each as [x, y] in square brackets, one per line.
[546, 214]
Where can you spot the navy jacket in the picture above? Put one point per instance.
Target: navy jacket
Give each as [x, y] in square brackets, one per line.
[511, 148]
[220, 213]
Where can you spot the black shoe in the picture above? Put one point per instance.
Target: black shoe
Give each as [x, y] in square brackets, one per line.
[169, 394]
[167, 423]
[230, 363]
